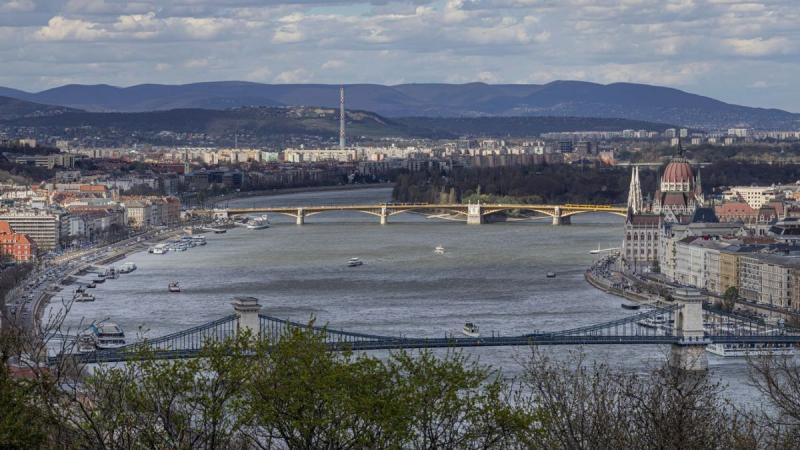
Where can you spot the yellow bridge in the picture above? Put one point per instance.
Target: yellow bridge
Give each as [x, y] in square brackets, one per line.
[474, 213]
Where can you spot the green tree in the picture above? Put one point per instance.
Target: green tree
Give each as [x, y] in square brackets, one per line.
[729, 298]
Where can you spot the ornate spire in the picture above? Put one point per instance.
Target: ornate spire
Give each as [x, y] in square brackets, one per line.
[635, 202]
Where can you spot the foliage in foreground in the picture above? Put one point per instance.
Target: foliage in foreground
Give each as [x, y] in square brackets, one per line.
[296, 394]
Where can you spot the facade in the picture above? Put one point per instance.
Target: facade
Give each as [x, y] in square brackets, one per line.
[755, 196]
[640, 245]
[43, 228]
[16, 246]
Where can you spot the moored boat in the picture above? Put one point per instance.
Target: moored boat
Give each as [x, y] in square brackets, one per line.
[103, 335]
[471, 330]
[83, 297]
[740, 350]
[633, 307]
[258, 223]
[354, 262]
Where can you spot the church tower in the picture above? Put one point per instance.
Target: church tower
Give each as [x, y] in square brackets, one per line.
[635, 202]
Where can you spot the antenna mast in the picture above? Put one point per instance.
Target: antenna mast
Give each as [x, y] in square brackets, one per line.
[341, 118]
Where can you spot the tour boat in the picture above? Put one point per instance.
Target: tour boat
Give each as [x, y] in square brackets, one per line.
[174, 287]
[633, 307]
[354, 262]
[439, 250]
[551, 274]
[102, 335]
[471, 330]
[750, 349]
[258, 223]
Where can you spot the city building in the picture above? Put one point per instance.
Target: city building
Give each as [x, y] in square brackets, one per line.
[16, 246]
[42, 227]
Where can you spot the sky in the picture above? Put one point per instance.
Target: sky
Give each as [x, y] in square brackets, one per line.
[744, 52]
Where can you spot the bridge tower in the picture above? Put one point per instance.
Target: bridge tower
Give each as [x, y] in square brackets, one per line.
[689, 353]
[559, 219]
[474, 216]
[247, 309]
[301, 216]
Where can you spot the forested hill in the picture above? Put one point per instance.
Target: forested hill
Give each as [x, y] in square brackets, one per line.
[569, 183]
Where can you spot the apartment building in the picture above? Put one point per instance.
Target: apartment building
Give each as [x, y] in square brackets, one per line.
[43, 228]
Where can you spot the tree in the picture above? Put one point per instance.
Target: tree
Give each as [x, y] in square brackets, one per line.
[729, 298]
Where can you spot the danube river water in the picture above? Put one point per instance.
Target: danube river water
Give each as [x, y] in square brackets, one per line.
[493, 275]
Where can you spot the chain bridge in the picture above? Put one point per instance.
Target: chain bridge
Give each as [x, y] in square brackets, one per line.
[682, 324]
[473, 213]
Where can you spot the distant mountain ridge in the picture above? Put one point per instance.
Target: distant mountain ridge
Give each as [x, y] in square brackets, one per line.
[12, 108]
[323, 122]
[558, 98]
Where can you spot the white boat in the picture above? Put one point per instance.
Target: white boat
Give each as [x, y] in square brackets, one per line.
[174, 287]
[595, 252]
[354, 262]
[471, 330]
[259, 223]
[439, 250]
[739, 350]
[653, 322]
[83, 297]
[128, 267]
[102, 335]
[160, 249]
[551, 275]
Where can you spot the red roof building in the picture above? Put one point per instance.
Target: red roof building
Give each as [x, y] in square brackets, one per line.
[16, 245]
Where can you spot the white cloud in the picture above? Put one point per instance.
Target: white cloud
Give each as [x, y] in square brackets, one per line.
[333, 65]
[293, 76]
[759, 46]
[62, 29]
[17, 6]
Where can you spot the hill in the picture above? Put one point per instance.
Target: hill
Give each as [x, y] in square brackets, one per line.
[12, 108]
[558, 98]
[317, 121]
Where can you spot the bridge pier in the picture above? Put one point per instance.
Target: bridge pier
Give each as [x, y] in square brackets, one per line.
[301, 216]
[247, 309]
[384, 215]
[474, 216]
[689, 353]
[559, 219]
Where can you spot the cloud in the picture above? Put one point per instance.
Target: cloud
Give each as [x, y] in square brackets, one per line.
[293, 76]
[759, 46]
[332, 65]
[17, 6]
[62, 29]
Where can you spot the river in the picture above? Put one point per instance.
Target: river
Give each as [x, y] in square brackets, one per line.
[492, 274]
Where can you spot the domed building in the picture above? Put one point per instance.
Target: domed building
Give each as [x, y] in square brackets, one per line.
[679, 194]
[676, 201]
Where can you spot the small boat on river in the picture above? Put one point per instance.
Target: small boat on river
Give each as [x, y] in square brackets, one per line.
[471, 330]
